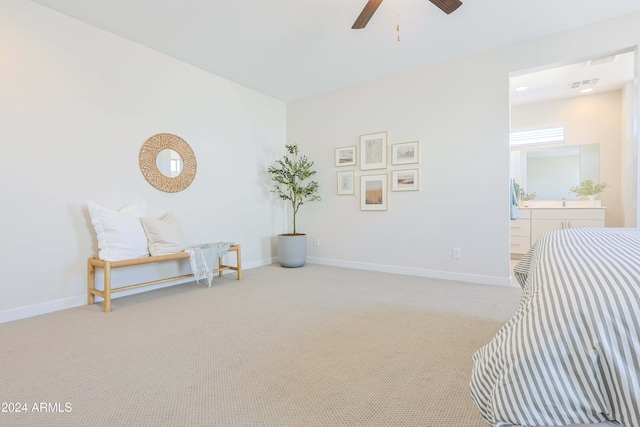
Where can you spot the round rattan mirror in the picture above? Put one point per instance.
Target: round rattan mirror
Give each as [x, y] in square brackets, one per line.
[155, 147]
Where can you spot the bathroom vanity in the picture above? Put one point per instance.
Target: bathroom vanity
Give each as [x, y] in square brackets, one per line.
[534, 222]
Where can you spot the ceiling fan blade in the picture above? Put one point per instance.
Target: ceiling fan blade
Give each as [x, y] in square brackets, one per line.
[366, 14]
[447, 6]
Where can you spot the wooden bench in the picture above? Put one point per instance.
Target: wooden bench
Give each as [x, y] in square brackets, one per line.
[107, 266]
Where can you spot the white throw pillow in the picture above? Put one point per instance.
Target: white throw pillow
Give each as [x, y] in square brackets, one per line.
[120, 233]
[164, 235]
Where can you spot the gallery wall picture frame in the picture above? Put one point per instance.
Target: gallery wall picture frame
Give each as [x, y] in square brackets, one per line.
[405, 180]
[373, 192]
[346, 156]
[346, 183]
[405, 153]
[373, 151]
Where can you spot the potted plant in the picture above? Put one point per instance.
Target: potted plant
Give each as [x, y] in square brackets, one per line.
[521, 195]
[291, 178]
[589, 189]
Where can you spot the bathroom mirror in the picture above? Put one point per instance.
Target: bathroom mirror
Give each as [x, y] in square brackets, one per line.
[551, 172]
[167, 162]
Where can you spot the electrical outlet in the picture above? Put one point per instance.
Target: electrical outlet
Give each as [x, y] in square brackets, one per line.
[456, 254]
[316, 242]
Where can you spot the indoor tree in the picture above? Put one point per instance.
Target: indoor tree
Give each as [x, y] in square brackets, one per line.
[291, 177]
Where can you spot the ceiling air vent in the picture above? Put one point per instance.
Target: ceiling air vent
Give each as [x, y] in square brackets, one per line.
[584, 83]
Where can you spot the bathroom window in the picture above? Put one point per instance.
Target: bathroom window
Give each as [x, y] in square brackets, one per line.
[537, 136]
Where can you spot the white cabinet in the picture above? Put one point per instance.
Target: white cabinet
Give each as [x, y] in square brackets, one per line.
[545, 220]
[521, 233]
[534, 222]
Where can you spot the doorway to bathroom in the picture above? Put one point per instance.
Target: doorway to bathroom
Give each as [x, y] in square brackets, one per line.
[570, 123]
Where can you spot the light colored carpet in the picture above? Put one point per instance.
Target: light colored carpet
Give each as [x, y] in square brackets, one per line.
[313, 346]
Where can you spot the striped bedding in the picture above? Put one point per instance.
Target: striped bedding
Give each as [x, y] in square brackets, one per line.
[570, 353]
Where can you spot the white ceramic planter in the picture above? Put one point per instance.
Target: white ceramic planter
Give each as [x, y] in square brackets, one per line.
[292, 250]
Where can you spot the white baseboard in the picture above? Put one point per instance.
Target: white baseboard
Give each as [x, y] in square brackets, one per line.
[80, 300]
[43, 308]
[433, 274]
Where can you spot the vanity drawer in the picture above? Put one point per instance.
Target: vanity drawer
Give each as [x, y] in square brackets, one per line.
[521, 227]
[569, 213]
[520, 244]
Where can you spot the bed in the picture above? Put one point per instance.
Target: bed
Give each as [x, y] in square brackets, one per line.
[570, 353]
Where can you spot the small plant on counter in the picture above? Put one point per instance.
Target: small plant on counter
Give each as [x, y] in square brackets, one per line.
[521, 195]
[588, 188]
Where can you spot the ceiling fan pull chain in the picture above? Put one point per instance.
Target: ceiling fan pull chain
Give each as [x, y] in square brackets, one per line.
[398, 24]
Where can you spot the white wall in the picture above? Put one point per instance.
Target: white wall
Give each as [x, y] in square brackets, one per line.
[76, 105]
[631, 155]
[592, 119]
[462, 126]
[459, 111]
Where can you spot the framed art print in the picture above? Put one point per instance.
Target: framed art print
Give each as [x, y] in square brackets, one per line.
[373, 192]
[373, 151]
[346, 183]
[405, 153]
[345, 156]
[405, 180]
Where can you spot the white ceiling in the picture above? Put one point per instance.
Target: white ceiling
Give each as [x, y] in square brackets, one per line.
[291, 49]
[601, 74]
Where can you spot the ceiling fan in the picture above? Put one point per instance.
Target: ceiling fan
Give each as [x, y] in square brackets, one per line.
[447, 6]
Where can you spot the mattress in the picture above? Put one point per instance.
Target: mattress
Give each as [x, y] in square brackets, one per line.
[570, 353]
